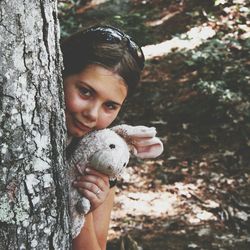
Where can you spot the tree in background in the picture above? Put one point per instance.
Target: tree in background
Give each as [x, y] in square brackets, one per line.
[33, 212]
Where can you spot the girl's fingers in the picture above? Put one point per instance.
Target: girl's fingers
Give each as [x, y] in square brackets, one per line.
[94, 180]
[89, 195]
[90, 171]
[96, 197]
[87, 185]
[94, 186]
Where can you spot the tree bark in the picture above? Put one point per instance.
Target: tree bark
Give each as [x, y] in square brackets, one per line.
[33, 193]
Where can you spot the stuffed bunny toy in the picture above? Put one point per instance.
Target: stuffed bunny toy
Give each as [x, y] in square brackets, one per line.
[107, 151]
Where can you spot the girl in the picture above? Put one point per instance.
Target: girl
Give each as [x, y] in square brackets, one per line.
[102, 66]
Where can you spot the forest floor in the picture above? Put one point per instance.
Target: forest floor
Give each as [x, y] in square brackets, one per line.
[196, 195]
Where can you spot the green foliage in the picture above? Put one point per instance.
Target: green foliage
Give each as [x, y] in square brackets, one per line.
[220, 109]
[67, 16]
[140, 32]
[132, 22]
[224, 83]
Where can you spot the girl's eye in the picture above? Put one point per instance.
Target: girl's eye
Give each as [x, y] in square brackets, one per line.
[84, 91]
[111, 106]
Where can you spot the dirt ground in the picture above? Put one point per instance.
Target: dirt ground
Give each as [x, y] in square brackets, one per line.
[190, 197]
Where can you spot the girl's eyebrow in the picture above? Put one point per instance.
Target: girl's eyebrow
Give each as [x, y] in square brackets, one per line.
[115, 103]
[94, 91]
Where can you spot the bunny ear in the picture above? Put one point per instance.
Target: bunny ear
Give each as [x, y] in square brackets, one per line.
[132, 132]
[148, 147]
[141, 139]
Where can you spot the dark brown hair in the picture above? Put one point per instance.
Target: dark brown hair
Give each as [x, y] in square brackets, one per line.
[106, 46]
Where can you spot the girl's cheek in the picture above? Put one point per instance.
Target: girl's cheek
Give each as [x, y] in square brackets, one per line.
[105, 120]
[71, 99]
[73, 104]
[69, 104]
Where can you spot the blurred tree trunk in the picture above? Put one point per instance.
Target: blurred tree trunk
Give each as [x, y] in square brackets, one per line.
[33, 197]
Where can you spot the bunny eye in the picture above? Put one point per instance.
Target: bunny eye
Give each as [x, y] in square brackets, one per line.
[112, 146]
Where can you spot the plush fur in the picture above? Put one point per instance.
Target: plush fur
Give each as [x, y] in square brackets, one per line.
[105, 151]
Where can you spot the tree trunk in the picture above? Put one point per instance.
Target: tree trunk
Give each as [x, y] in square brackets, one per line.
[33, 193]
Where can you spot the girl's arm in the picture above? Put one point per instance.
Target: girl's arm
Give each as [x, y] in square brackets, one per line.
[93, 235]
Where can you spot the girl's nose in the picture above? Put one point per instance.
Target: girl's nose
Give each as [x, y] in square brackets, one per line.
[91, 111]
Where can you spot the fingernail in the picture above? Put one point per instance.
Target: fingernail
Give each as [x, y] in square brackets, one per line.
[87, 170]
[74, 182]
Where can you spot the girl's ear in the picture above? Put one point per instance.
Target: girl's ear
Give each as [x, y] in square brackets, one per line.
[141, 139]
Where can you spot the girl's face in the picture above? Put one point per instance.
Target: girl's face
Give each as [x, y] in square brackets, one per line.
[93, 99]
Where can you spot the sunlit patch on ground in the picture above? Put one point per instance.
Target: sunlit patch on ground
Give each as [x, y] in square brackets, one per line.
[190, 40]
[168, 213]
[137, 204]
[149, 203]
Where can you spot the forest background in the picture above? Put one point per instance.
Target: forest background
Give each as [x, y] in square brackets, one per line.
[195, 90]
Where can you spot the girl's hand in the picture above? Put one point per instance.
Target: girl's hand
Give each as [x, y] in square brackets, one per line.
[94, 186]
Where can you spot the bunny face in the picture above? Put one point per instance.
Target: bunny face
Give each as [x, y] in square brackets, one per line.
[103, 150]
[112, 158]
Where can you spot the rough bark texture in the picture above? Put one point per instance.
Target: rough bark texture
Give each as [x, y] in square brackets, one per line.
[33, 207]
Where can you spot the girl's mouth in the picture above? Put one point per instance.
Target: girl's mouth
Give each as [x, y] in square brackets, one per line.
[81, 126]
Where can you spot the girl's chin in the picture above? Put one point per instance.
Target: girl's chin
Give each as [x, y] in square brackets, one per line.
[76, 132]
